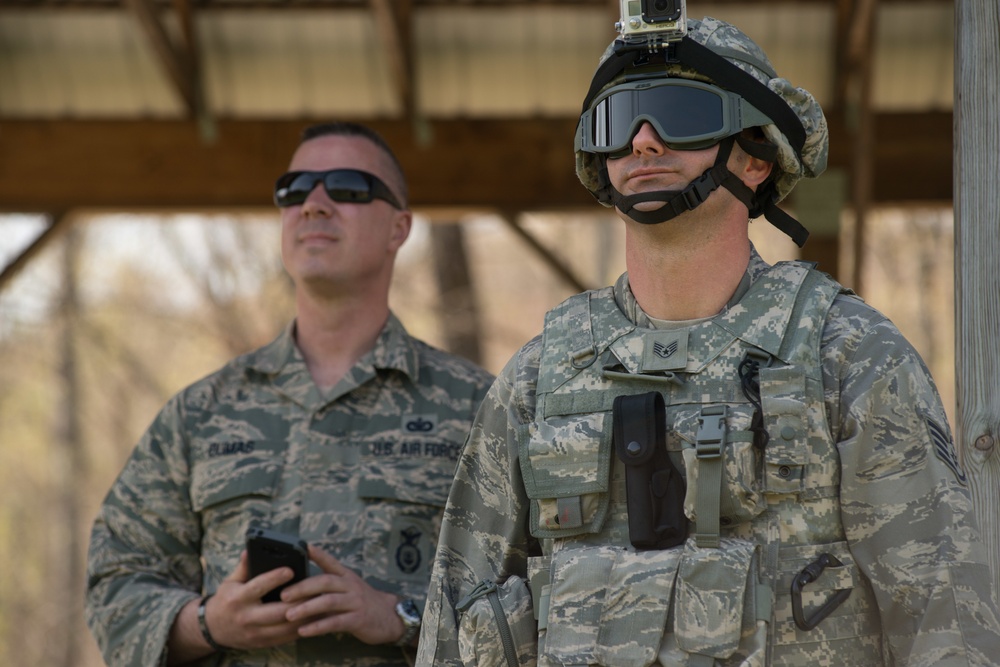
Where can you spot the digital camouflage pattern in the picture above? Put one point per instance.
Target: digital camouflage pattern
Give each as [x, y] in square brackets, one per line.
[859, 465]
[362, 472]
[730, 42]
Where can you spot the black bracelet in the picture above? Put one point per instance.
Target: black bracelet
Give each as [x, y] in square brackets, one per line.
[204, 626]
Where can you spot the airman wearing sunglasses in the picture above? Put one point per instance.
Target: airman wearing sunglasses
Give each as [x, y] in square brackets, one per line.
[343, 432]
[716, 461]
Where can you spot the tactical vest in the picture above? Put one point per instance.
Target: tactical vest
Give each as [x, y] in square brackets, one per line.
[765, 576]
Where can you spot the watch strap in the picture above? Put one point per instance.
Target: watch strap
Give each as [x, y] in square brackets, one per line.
[409, 614]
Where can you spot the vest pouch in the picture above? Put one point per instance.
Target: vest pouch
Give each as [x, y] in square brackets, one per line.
[852, 630]
[497, 626]
[566, 465]
[782, 390]
[740, 494]
[716, 598]
[608, 605]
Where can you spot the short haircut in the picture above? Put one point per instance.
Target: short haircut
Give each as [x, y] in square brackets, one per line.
[349, 129]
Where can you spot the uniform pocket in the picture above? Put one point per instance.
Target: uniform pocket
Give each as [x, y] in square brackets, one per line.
[230, 493]
[498, 628]
[609, 605]
[403, 492]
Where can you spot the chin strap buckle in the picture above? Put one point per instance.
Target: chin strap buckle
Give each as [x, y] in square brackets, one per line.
[699, 190]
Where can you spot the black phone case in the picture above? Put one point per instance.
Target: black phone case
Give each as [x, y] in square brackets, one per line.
[269, 549]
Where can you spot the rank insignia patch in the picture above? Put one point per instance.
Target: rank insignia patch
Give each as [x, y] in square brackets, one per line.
[944, 448]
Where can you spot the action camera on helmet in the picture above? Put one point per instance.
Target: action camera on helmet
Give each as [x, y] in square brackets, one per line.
[652, 21]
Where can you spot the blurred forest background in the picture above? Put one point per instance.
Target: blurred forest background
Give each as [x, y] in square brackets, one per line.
[125, 310]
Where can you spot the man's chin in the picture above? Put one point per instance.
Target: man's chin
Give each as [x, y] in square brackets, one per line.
[648, 206]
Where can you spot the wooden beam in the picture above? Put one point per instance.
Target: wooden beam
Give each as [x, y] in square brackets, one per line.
[514, 164]
[524, 164]
[977, 247]
[327, 5]
[858, 106]
[175, 63]
[60, 223]
[393, 19]
[560, 268]
[181, 63]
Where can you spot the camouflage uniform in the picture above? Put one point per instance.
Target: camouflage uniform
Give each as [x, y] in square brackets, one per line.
[362, 472]
[859, 465]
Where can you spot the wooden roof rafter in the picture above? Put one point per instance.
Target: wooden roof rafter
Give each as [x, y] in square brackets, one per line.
[180, 62]
[394, 21]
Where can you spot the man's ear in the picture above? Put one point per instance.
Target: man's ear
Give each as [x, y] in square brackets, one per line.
[755, 171]
[401, 223]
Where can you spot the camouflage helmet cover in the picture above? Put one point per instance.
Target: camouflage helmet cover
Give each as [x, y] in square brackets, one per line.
[735, 46]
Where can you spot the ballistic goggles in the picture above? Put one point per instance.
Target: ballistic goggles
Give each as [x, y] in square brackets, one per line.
[687, 114]
[341, 185]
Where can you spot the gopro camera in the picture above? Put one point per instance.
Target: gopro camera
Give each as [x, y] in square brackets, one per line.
[652, 21]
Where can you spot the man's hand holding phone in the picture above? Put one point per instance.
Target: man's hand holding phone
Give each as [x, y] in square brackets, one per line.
[242, 615]
[268, 550]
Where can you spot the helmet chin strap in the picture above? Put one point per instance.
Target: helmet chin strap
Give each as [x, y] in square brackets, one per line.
[676, 202]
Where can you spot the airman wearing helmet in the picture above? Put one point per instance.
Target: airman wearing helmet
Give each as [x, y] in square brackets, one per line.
[716, 461]
[674, 91]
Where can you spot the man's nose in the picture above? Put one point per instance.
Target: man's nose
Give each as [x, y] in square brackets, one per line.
[647, 140]
[317, 201]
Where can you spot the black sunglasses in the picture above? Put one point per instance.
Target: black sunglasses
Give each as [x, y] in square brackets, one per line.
[341, 185]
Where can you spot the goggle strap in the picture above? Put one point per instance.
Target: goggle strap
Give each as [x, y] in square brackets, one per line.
[621, 57]
[762, 151]
[729, 76]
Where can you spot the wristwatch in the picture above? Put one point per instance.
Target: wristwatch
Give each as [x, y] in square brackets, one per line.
[409, 614]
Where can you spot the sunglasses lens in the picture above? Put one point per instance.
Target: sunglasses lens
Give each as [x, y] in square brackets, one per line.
[347, 185]
[293, 188]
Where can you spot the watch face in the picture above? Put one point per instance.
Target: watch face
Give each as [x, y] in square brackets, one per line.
[409, 612]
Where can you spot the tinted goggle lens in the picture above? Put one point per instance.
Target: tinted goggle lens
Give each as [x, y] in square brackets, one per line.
[341, 185]
[688, 115]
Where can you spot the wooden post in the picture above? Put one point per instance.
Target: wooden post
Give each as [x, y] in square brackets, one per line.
[977, 246]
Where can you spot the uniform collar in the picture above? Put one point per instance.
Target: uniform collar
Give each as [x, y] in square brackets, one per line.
[394, 350]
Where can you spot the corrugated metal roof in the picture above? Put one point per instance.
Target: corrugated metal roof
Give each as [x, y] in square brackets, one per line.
[469, 61]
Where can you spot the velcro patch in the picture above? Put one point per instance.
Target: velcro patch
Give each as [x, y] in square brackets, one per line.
[423, 424]
[664, 351]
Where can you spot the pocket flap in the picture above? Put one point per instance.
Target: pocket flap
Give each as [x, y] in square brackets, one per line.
[711, 591]
[609, 605]
[224, 479]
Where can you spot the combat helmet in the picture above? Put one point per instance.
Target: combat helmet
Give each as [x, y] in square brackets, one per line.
[699, 90]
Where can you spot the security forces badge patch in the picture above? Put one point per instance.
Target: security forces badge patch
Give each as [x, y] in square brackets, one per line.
[409, 547]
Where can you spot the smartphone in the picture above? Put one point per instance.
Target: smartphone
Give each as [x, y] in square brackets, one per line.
[269, 549]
